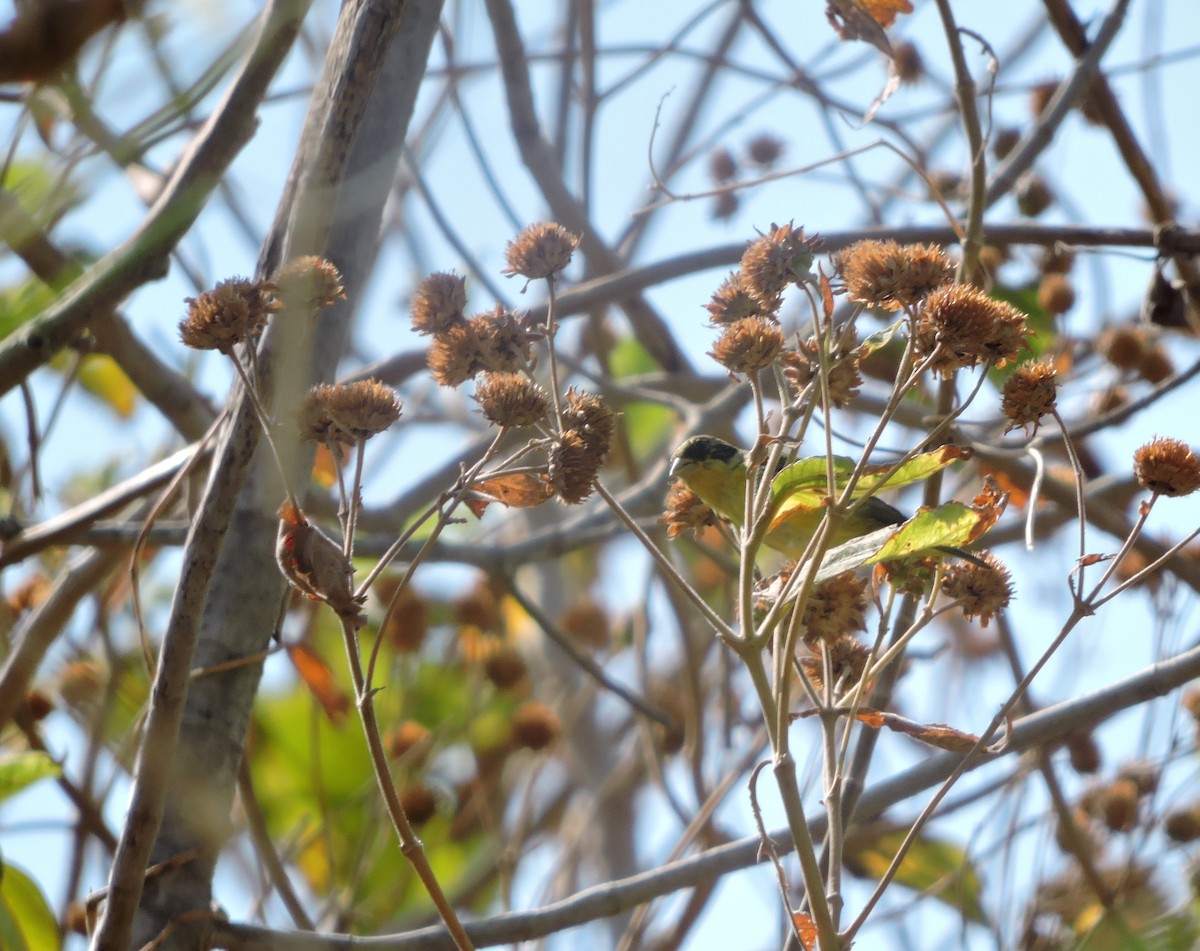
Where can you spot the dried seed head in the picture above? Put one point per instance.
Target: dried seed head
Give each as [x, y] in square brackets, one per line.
[781, 257]
[231, 312]
[454, 356]
[848, 660]
[684, 511]
[966, 327]
[764, 150]
[907, 63]
[1029, 395]
[1056, 294]
[1124, 347]
[1034, 195]
[748, 345]
[836, 609]
[1155, 366]
[1167, 466]
[725, 205]
[1004, 141]
[722, 166]
[505, 667]
[509, 399]
[504, 344]
[1084, 753]
[541, 250]
[1056, 259]
[310, 281]
[348, 413]
[438, 303]
[801, 368]
[1183, 825]
[890, 275]
[586, 622]
[419, 803]
[589, 415]
[407, 620]
[985, 592]
[409, 739]
[534, 725]
[573, 467]
[1040, 96]
[731, 302]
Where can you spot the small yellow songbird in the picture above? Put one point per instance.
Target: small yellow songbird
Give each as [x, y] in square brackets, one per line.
[716, 472]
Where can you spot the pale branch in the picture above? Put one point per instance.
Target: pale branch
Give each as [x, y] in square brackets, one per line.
[144, 256]
[1043, 728]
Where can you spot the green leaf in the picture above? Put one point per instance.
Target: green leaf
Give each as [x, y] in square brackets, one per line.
[26, 922]
[931, 866]
[804, 485]
[19, 770]
[880, 339]
[951, 524]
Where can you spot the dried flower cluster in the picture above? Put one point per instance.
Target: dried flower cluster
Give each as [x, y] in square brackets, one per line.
[347, 413]
[836, 608]
[1029, 394]
[310, 281]
[580, 449]
[232, 312]
[748, 345]
[778, 259]
[985, 592]
[893, 276]
[1167, 466]
[846, 656]
[542, 250]
[685, 511]
[961, 327]
[510, 399]
[801, 368]
[438, 303]
[495, 341]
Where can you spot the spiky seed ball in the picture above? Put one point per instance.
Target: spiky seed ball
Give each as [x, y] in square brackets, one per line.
[1040, 96]
[409, 740]
[348, 413]
[541, 250]
[749, 345]
[1029, 394]
[230, 313]
[573, 467]
[1004, 141]
[1034, 195]
[966, 328]
[893, 276]
[504, 345]
[1084, 753]
[1056, 294]
[310, 280]
[848, 659]
[1155, 366]
[801, 368]
[586, 622]
[505, 667]
[1124, 347]
[509, 399]
[438, 303]
[454, 356]
[907, 63]
[534, 725]
[732, 301]
[985, 592]
[590, 416]
[1183, 825]
[781, 257]
[764, 150]
[724, 206]
[722, 166]
[419, 803]
[1167, 466]
[407, 620]
[685, 512]
[836, 608]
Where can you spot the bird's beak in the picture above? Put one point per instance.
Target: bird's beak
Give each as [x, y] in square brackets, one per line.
[675, 461]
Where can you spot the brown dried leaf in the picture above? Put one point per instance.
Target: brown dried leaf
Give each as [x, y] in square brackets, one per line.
[518, 490]
[318, 677]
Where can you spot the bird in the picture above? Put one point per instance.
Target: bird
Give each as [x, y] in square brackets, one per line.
[716, 472]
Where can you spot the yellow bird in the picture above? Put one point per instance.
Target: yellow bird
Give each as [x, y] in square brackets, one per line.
[716, 472]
